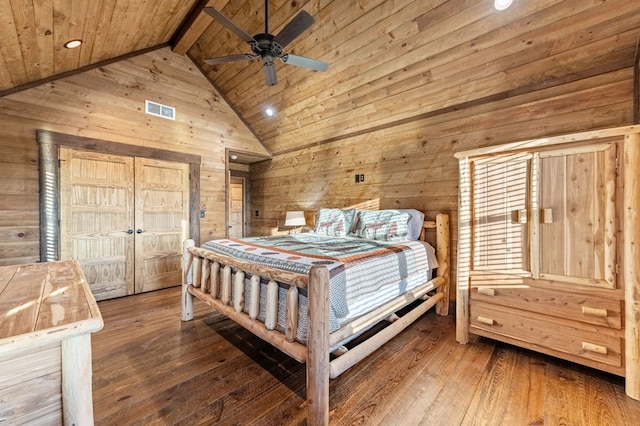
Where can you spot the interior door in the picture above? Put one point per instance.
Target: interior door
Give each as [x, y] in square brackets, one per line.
[236, 207]
[161, 222]
[96, 220]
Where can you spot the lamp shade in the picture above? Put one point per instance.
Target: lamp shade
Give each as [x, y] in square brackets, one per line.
[294, 218]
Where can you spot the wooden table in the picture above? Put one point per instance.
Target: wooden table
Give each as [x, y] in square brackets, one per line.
[47, 313]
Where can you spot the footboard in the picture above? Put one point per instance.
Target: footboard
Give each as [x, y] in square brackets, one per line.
[219, 281]
[235, 288]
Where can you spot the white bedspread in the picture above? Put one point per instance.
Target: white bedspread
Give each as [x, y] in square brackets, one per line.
[364, 274]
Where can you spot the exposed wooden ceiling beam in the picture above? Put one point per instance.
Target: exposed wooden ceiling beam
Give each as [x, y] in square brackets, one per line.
[66, 74]
[195, 24]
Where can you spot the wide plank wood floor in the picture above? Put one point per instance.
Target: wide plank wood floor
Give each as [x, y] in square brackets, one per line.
[150, 368]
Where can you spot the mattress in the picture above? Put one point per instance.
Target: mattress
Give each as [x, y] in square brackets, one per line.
[364, 274]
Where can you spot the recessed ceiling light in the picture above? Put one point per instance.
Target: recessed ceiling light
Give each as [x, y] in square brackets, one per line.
[71, 44]
[502, 4]
[269, 111]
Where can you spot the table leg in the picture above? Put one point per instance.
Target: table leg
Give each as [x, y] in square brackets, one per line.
[77, 399]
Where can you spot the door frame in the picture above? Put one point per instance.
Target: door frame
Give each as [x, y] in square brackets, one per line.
[243, 180]
[48, 148]
[242, 171]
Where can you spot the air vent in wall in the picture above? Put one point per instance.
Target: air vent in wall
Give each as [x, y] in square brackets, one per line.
[160, 110]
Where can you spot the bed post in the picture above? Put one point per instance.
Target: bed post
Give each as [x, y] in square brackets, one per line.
[444, 260]
[187, 276]
[318, 347]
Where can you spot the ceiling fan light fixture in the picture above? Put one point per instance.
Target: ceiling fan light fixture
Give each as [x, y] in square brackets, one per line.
[72, 44]
[502, 4]
[270, 76]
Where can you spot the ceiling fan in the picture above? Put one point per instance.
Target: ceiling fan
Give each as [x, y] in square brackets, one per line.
[267, 46]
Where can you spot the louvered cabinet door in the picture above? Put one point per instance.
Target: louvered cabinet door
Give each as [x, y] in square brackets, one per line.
[162, 222]
[500, 209]
[96, 219]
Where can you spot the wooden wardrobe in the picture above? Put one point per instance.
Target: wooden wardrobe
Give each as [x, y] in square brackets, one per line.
[547, 256]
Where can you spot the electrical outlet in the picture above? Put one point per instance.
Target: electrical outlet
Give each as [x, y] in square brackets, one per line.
[362, 177]
[257, 213]
[201, 214]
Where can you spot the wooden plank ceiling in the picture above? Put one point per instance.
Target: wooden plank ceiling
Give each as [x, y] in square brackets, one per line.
[390, 61]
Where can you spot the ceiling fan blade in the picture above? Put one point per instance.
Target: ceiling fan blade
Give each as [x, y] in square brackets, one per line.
[229, 24]
[230, 58]
[270, 73]
[294, 28]
[301, 61]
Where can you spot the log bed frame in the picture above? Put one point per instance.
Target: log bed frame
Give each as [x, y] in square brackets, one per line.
[209, 277]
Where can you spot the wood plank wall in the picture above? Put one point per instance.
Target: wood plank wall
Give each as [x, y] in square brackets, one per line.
[412, 165]
[107, 103]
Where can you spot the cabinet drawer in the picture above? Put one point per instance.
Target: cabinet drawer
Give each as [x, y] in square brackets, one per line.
[589, 309]
[577, 340]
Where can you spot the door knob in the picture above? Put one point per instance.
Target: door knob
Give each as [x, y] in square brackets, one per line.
[130, 231]
[139, 231]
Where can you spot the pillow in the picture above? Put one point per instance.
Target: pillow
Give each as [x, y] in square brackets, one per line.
[385, 225]
[334, 222]
[415, 224]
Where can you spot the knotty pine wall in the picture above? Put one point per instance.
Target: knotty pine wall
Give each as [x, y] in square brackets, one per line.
[107, 103]
[412, 165]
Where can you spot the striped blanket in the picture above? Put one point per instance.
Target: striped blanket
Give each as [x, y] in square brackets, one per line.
[359, 268]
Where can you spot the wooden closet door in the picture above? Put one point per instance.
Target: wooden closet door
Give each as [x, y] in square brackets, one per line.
[162, 222]
[96, 220]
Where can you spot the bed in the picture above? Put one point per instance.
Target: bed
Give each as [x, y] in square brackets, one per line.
[310, 294]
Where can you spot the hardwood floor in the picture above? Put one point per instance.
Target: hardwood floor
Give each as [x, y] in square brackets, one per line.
[151, 368]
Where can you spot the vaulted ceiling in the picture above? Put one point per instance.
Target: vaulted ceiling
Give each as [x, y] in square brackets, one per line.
[390, 61]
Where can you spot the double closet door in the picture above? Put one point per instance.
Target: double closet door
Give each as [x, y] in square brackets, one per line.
[124, 219]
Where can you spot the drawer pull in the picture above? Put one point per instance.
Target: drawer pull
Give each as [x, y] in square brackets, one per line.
[596, 312]
[485, 320]
[594, 348]
[486, 291]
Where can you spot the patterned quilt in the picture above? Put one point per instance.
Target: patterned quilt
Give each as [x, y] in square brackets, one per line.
[358, 267]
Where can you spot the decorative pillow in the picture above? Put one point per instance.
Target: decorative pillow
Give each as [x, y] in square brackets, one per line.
[334, 222]
[386, 225]
[415, 224]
